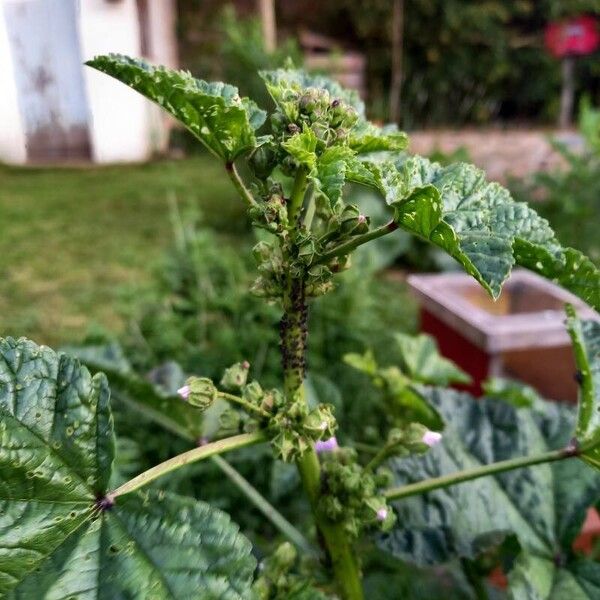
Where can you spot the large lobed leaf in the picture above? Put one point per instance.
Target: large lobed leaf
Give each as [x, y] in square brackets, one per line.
[214, 112]
[585, 336]
[543, 506]
[476, 222]
[59, 537]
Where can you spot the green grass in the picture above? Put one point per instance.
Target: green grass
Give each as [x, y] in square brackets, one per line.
[72, 240]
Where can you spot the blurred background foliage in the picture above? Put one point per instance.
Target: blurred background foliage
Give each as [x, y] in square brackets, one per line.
[464, 61]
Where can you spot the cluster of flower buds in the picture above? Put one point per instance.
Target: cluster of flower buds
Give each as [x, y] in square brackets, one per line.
[271, 280]
[349, 493]
[294, 428]
[271, 213]
[330, 118]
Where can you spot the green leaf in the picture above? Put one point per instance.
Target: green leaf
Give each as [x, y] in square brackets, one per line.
[536, 578]
[543, 506]
[59, 534]
[159, 403]
[331, 172]
[149, 545]
[516, 393]
[302, 146]
[367, 137]
[477, 223]
[214, 112]
[585, 336]
[422, 361]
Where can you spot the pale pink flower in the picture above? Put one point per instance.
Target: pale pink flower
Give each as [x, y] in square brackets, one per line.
[326, 445]
[184, 391]
[431, 438]
[362, 219]
[382, 514]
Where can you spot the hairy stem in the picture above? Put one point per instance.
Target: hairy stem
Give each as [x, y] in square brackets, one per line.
[266, 508]
[356, 241]
[293, 345]
[240, 186]
[191, 456]
[444, 481]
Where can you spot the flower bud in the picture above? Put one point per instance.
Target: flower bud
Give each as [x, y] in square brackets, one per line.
[262, 161]
[329, 445]
[184, 391]
[253, 393]
[431, 438]
[235, 377]
[202, 392]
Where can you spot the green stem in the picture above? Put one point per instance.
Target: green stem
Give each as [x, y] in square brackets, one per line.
[278, 520]
[243, 191]
[309, 214]
[444, 481]
[357, 241]
[191, 456]
[339, 548]
[297, 197]
[244, 404]
[378, 458]
[265, 507]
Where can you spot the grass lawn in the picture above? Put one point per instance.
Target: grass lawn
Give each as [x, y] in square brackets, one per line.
[73, 240]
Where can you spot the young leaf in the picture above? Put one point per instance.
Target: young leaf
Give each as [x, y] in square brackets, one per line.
[585, 336]
[423, 362]
[214, 112]
[61, 534]
[366, 137]
[477, 223]
[543, 506]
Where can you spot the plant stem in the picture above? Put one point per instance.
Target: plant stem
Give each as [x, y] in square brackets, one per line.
[309, 214]
[191, 456]
[338, 546]
[265, 507]
[297, 197]
[244, 404]
[240, 186]
[500, 467]
[278, 520]
[378, 458]
[357, 241]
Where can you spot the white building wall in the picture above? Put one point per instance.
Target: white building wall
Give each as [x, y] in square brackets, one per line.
[123, 126]
[119, 117]
[12, 133]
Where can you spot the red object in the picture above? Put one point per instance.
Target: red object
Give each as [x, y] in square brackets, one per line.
[464, 353]
[573, 37]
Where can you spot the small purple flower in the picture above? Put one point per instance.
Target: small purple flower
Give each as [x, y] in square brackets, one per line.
[362, 219]
[431, 438]
[184, 391]
[382, 514]
[326, 445]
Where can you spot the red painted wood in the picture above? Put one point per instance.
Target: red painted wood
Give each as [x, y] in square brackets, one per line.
[464, 353]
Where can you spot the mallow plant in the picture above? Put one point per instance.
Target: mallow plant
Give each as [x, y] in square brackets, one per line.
[72, 526]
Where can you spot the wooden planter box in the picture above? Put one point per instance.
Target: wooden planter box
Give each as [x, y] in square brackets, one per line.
[522, 335]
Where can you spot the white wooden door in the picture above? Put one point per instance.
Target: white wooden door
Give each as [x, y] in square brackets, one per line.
[46, 55]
